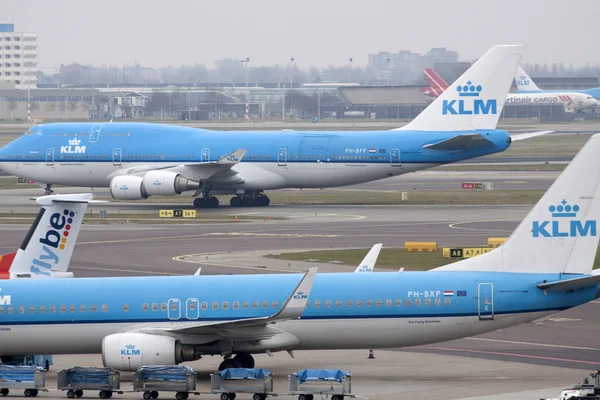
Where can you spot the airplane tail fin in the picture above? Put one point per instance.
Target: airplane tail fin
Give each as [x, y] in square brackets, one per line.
[47, 248]
[437, 84]
[560, 234]
[524, 81]
[368, 263]
[476, 99]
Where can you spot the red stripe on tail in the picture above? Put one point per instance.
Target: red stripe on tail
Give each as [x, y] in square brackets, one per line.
[5, 263]
[435, 80]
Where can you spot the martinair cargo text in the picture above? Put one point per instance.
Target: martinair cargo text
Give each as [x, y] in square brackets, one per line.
[573, 101]
[138, 160]
[544, 267]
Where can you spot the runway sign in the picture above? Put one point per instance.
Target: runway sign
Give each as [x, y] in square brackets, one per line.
[469, 252]
[495, 242]
[177, 214]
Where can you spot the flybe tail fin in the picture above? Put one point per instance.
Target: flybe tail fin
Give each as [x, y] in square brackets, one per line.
[524, 82]
[560, 234]
[48, 246]
[476, 99]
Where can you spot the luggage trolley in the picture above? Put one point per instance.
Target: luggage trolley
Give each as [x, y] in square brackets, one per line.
[230, 381]
[309, 382]
[27, 377]
[75, 380]
[152, 379]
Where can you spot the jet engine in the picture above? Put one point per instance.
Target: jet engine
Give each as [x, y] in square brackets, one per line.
[128, 351]
[153, 183]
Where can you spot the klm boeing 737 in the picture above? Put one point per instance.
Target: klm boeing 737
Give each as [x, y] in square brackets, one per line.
[544, 267]
[138, 160]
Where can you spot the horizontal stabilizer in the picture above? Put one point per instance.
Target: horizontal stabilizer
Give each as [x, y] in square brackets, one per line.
[528, 135]
[460, 142]
[87, 198]
[571, 284]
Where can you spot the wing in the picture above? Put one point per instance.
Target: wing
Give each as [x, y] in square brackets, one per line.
[460, 142]
[568, 285]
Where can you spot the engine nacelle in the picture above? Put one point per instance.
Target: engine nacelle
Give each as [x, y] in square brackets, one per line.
[128, 187]
[167, 183]
[128, 351]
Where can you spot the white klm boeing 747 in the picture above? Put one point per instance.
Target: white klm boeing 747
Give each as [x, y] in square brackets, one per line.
[544, 267]
[137, 160]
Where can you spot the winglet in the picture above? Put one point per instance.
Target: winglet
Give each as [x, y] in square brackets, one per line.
[233, 158]
[528, 135]
[296, 303]
[198, 272]
[368, 263]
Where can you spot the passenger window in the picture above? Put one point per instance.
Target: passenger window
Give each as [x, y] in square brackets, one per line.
[328, 303]
[104, 308]
[42, 309]
[31, 309]
[192, 305]
[275, 304]
[236, 305]
[317, 303]
[163, 306]
[399, 302]
[126, 307]
[225, 305]
[145, 307]
[11, 310]
[82, 308]
[369, 303]
[358, 303]
[265, 304]
[427, 301]
[437, 302]
[408, 302]
[417, 302]
[339, 303]
[21, 309]
[63, 309]
[255, 304]
[447, 301]
[349, 303]
[215, 305]
[52, 309]
[93, 308]
[379, 303]
[203, 305]
[155, 306]
[246, 305]
[1, 309]
[388, 302]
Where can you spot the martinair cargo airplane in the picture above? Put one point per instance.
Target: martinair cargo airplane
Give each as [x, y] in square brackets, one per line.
[48, 246]
[138, 160]
[544, 267]
[573, 100]
[526, 85]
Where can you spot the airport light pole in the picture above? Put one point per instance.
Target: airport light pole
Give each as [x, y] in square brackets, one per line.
[349, 70]
[292, 62]
[247, 115]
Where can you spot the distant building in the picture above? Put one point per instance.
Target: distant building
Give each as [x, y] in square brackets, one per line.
[18, 57]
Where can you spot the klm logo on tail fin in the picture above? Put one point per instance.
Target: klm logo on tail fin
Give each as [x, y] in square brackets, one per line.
[53, 241]
[563, 223]
[468, 104]
[523, 81]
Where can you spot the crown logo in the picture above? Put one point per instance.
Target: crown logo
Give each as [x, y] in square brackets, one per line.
[523, 77]
[130, 347]
[74, 142]
[469, 90]
[563, 210]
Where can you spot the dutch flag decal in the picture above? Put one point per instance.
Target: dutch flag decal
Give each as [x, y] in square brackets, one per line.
[448, 292]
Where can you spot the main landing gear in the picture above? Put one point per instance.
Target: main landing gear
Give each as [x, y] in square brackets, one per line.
[241, 360]
[48, 189]
[207, 200]
[258, 199]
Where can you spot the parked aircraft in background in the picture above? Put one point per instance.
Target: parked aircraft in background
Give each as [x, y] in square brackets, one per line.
[137, 160]
[544, 267]
[573, 100]
[48, 246]
[368, 263]
[526, 85]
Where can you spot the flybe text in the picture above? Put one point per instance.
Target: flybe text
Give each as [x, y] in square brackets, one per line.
[465, 107]
[555, 229]
[50, 240]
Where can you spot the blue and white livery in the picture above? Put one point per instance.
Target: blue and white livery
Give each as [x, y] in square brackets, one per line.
[526, 85]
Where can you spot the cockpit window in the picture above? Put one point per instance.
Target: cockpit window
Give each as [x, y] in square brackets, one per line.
[29, 132]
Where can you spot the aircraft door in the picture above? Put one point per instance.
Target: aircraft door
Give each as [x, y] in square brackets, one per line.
[485, 297]
[95, 133]
[282, 154]
[205, 155]
[174, 309]
[395, 157]
[117, 153]
[50, 157]
[192, 309]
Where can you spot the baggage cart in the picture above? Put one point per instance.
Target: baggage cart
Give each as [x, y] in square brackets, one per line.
[307, 383]
[29, 378]
[152, 379]
[75, 380]
[230, 381]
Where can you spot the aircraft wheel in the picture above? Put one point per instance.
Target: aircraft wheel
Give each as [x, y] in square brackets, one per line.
[267, 201]
[247, 201]
[245, 359]
[235, 202]
[230, 363]
[213, 201]
[199, 202]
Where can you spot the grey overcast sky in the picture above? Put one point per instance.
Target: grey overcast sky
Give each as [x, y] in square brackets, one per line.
[157, 33]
